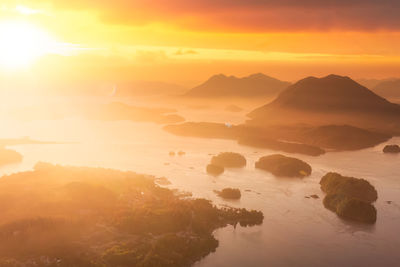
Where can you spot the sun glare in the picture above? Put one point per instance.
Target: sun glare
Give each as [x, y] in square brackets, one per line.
[21, 43]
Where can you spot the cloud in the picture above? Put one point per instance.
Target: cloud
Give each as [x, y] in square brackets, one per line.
[182, 52]
[249, 15]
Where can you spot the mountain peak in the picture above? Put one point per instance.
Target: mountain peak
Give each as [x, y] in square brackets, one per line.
[333, 94]
[336, 77]
[257, 76]
[331, 78]
[218, 77]
[254, 85]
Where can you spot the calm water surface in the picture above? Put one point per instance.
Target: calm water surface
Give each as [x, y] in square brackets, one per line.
[296, 231]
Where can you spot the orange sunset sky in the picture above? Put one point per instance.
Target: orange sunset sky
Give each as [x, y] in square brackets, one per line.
[184, 42]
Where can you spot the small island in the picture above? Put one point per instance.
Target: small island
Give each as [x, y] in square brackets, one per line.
[393, 149]
[351, 208]
[229, 193]
[349, 197]
[229, 160]
[215, 169]
[282, 166]
[334, 183]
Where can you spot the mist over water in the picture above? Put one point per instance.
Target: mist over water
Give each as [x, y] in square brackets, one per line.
[296, 231]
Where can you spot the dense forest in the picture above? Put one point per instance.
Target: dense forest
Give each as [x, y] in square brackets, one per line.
[73, 216]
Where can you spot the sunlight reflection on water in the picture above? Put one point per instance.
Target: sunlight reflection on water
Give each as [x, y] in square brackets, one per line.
[296, 231]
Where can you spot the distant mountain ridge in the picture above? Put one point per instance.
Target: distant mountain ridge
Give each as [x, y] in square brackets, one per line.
[310, 117]
[255, 85]
[388, 88]
[331, 99]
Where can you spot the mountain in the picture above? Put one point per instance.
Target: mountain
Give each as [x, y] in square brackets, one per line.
[310, 117]
[388, 89]
[255, 85]
[329, 100]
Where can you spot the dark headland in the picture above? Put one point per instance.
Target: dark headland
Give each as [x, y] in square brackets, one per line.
[77, 216]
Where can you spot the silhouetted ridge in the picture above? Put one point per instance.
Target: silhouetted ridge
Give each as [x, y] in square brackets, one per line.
[230, 86]
[217, 77]
[332, 93]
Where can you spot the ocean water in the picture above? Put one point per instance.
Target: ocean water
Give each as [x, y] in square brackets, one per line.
[297, 231]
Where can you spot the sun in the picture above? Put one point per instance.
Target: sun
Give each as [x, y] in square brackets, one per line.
[21, 43]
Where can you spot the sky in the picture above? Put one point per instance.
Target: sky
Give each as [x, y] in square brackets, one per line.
[93, 42]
